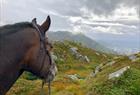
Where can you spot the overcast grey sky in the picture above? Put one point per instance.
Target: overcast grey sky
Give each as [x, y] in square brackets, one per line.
[116, 22]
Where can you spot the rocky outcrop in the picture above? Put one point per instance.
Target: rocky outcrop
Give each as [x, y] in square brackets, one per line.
[79, 56]
[74, 77]
[118, 73]
[133, 58]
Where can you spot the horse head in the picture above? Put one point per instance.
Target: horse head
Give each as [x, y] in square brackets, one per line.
[38, 58]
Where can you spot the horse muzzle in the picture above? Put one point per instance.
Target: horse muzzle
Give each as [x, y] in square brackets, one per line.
[51, 74]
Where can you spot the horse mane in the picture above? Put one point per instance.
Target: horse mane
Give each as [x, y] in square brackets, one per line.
[12, 28]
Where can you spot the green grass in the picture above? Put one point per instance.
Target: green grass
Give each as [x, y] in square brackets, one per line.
[127, 84]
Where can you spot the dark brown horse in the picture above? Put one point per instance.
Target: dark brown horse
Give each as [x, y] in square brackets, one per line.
[24, 47]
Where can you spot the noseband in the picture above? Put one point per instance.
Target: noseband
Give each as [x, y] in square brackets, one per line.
[44, 48]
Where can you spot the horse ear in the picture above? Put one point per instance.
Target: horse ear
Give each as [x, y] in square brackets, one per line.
[45, 26]
[34, 21]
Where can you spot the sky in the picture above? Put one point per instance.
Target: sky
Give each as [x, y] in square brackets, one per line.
[115, 23]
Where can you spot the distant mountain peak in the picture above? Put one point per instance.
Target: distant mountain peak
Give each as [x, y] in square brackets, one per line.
[78, 37]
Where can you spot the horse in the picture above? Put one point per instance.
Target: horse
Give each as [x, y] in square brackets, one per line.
[24, 47]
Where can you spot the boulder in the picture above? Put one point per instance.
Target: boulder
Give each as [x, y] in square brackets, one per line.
[118, 73]
[75, 77]
[133, 58]
[86, 59]
[97, 53]
[111, 63]
[73, 50]
[54, 57]
[104, 56]
[97, 70]
[79, 56]
[116, 57]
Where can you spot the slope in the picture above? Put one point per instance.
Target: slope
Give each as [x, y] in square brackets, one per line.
[69, 66]
[80, 38]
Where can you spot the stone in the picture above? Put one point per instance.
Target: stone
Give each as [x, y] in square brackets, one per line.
[61, 59]
[91, 75]
[118, 73]
[74, 50]
[104, 55]
[111, 63]
[54, 57]
[95, 73]
[133, 58]
[87, 59]
[97, 69]
[79, 56]
[116, 57]
[97, 53]
[73, 77]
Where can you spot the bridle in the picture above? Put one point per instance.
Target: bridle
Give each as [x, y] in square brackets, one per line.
[43, 47]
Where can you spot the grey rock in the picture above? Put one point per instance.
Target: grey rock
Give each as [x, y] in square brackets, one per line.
[111, 63]
[78, 56]
[87, 59]
[97, 53]
[97, 70]
[116, 57]
[73, 77]
[73, 50]
[104, 55]
[54, 57]
[118, 73]
[133, 58]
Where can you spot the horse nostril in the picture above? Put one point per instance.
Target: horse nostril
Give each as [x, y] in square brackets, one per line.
[51, 46]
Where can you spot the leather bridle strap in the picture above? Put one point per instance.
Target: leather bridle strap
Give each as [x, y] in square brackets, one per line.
[49, 87]
[42, 39]
[36, 27]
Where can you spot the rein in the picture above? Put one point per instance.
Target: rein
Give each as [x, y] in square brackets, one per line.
[42, 40]
[49, 87]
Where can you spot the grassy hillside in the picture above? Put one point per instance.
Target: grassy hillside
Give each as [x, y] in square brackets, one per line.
[127, 84]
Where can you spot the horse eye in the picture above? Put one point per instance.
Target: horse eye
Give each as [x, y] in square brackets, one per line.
[46, 43]
[51, 46]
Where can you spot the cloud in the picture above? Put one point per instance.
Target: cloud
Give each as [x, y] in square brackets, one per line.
[106, 7]
[105, 16]
[2, 23]
[113, 30]
[102, 24]
[107, 20]
[51, 12]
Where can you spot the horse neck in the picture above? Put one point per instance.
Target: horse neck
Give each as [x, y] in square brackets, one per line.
[12, 51]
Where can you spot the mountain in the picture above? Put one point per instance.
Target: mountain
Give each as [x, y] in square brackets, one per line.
[81, 38]
[122, 45]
